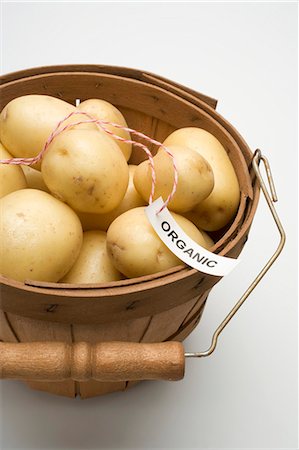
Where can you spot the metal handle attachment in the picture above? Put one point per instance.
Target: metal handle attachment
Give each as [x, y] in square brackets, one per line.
[270, 200]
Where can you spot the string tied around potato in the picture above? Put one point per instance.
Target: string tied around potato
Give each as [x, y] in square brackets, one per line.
[60, 128]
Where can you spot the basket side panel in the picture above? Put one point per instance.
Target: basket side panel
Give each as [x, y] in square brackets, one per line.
[156, 328]
[151, 126]
[7, 333]
[29, 330]
[62, 388]
[163, 326]
[130, 331]
[190, 322]
[160, 327]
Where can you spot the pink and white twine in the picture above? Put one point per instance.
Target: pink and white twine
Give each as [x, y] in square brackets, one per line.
[101, 124]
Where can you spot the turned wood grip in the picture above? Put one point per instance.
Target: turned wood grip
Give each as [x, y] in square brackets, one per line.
[105, 361]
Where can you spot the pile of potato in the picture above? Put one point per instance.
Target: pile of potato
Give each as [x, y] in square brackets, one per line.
[78, 215]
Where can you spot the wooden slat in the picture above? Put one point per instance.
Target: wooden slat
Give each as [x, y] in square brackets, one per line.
[127, 331]
[198, 307]
[183, 330]
[94, 388]
[62, 388]
[165, 324]
[177, 88]
[153, 329]
[7, 333]
[151, 126]
[29, 330]
[103, 305]
[140, 122]
[115, 70]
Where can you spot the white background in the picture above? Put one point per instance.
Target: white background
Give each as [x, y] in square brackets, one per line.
[245, 395]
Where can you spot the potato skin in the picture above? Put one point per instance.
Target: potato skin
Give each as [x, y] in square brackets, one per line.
[11, 176]
[102, 221]
[195, 178]
[222, 204]
[100, 109]
[207, 238]
[136, 250]
[40, 236]
[26, 122]
[87, 170]
[93, 264]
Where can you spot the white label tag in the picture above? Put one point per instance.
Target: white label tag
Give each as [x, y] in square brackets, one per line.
[182, 246]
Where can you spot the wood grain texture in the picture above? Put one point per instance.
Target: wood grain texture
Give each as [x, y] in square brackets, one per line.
[165, 324]
[150, 126]
[106, 361]
[62, 388]
[102, 303]
[30, 330]
[126, 331]
[185, 329]
[115, 70]
[7, 333]
[149, 329]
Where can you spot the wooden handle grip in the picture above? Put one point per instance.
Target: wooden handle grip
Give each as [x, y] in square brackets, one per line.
[106, 361]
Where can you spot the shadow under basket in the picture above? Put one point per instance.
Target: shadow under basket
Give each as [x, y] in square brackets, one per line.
[165, 306]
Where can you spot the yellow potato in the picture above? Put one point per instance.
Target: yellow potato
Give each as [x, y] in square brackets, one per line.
[102, 221]
[93, 264]
[40, 236]
[34, 179]
[208, 239]
[26, 123]
[195, 178]
[87, 170]
[100, 109]
[136, 250]
[221, 205]
[11, 176]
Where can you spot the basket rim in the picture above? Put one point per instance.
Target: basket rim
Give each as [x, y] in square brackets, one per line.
[113, 69]
[207, 104]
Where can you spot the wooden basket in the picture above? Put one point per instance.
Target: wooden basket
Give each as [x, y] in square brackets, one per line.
[156, 308]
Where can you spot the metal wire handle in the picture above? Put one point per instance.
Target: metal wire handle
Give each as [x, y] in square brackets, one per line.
[270, 200]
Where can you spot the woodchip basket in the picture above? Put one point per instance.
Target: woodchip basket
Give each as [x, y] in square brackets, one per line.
[86, 339]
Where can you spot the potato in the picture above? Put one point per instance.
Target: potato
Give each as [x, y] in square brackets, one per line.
[26, 123]
[11, 176]
[136, 250]
[209, 241]
[100, 109]
[102, 221]
[221, 205]
[93, 264]
[87, 170]
[40, 236]
[34, 179]
[195, 178]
